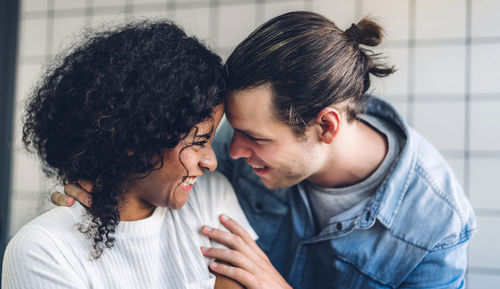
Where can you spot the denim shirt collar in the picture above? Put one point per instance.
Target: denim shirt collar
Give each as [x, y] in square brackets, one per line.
[391, 192]
[387, 200]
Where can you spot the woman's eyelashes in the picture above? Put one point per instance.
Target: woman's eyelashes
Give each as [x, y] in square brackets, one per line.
[200, 143]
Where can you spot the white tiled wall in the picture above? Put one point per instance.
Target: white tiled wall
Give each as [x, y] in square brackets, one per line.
[73, 4]
[195, 21]
[392, 15]
[431, 119]
[443, 19]
[485, 16]
[33, 37]
[343, 11]
[484, 76]
[235, 23]
[440, 70]
[483, 194]
[273, 9]
[485, 125]
[447, 87]
[395, 85]
[481, 254]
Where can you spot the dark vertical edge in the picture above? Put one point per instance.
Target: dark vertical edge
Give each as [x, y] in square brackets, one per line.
[89, 13]
[129, 10]
[9, 27]
[214, 23]
[358, 10]
[51, 14]
[259, 12]
[171, 8]
[308, 5]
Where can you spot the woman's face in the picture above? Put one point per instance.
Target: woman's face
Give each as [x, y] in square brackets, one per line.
[167, 186]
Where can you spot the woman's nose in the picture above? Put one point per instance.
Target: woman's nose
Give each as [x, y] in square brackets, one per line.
[209, 161]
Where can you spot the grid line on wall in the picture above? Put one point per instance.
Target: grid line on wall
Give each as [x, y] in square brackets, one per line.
[472, 154]
[213, 21]
[50, 29]
[483, 270]
[259, 17]
[467, 116]
[89, 12]
[487, 212]
[411, 61]
[308, 5]
[358, 9]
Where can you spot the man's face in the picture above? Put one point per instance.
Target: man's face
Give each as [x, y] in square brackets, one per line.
[276, 155]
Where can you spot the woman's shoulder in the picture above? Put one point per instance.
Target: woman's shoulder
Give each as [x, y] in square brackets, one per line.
[212, 189]
[56, 220]
[215, 196]
[210, 192]
[47, 229]
[214, 182]
[38, 254]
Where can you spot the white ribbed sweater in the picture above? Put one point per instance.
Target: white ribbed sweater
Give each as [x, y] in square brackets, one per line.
[162, 251]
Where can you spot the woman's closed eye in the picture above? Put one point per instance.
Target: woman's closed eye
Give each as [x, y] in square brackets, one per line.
[200, 143]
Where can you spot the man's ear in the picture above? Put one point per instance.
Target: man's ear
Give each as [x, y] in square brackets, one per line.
[329, 120]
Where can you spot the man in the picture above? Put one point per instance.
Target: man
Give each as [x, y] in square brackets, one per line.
[342, 193]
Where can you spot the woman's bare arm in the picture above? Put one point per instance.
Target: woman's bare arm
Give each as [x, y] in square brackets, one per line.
[223, 282]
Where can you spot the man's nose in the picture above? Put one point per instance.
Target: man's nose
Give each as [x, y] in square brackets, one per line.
[239, 147]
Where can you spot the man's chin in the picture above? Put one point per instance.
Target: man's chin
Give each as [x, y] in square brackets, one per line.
[276, 183]
[273, 185]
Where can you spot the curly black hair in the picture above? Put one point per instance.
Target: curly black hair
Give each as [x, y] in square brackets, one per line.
[139, 88]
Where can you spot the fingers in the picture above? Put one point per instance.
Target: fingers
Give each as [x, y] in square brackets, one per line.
[59, 199]
[225, 238]
[242, 276]
[231, 256]
[86, 185]
[236, 229]
[79, 194]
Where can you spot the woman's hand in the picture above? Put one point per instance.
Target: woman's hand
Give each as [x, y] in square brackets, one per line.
[250, 265]
[72, 192]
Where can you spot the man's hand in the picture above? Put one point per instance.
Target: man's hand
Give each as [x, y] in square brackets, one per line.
[250, 266]
[72, 192]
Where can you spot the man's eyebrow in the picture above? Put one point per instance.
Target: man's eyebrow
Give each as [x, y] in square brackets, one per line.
[251, 134]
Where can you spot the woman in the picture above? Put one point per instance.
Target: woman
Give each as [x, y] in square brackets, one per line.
[134, 111]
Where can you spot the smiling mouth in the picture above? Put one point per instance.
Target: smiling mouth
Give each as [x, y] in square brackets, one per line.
[260, 170]
[188, 183]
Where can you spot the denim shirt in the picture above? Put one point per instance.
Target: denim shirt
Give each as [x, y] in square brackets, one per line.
[412, 233]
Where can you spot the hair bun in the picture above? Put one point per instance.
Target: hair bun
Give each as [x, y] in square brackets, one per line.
[365, 32]
[353, 33]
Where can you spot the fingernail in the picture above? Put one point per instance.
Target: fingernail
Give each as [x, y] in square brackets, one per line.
[214, 264]
[70, 202]
[208, 229]
[224, 217]
[204, 249]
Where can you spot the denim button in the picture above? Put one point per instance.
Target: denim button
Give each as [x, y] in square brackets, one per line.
[259, 206]
[339, 226]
